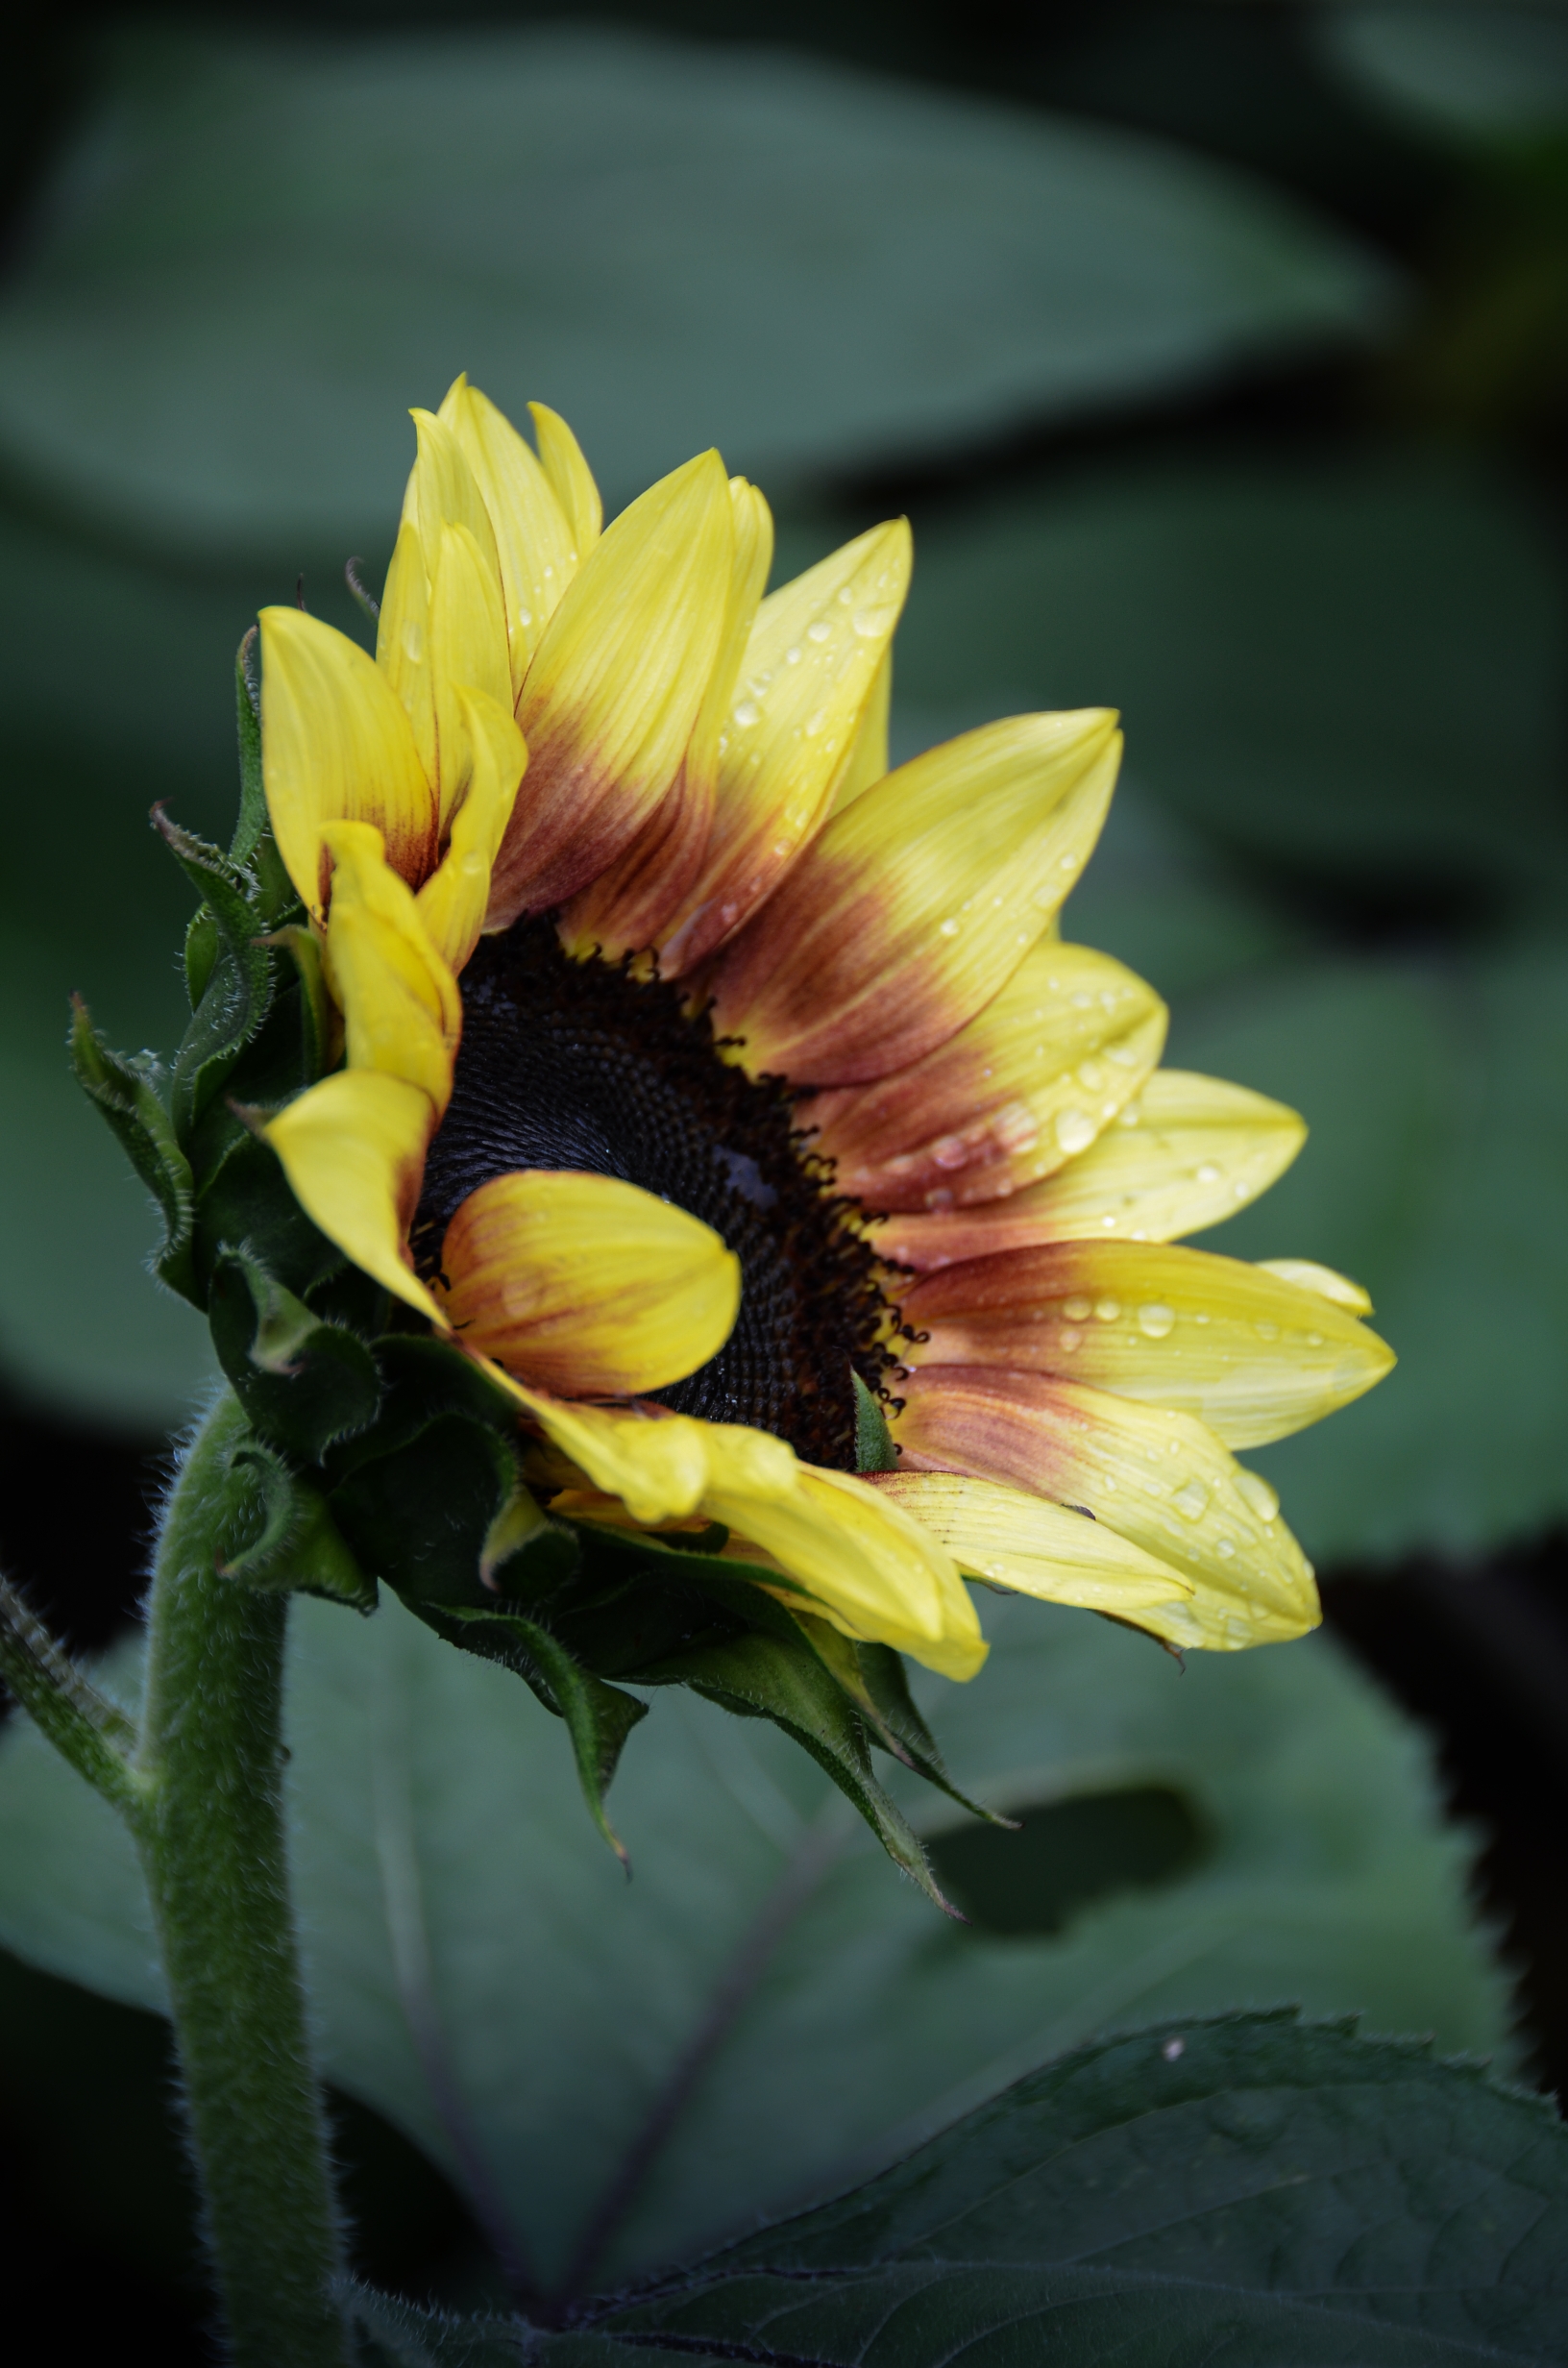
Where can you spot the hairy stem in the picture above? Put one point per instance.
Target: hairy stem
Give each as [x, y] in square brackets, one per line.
[211, 1836]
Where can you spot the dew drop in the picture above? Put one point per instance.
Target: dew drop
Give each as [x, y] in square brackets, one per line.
[1224, 1548]
[1315, 1340]
[1191, 1500]
[818, 629]
[793, 658]
[1253, 1490]
[1156, 1319]
[1209, 1173]
[747, 713]
[1107, 1310]
[1077, 1310]
[1074, 1129]
[1069, 1339]
[1266, 1331]
[871, 623]
[950, 929]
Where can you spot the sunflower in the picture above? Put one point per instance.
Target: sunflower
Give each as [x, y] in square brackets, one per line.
[735, 1101]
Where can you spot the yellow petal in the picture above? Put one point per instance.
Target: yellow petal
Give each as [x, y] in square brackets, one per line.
[353, 1149]
[877, 1574]
[1026, 1544]
[400, 1002]
[807, 676]
[443, 492]
[613, 695]
[656, 1464]
[570, 480]
[1187, 1152]
[1323, 1280]
[535, 540]
[1030, 1081]
[586, 1286]
[917, 903]
[868, 757]
[403, 642]
[467, 648]
[336, 745]
[1254, 1356]
[627, 907]
[453, 902]
[1155, 1476]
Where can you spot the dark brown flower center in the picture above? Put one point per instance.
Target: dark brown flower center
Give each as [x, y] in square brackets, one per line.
[568, 1064]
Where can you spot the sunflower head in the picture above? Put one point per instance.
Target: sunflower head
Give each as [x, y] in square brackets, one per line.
[669, 1202]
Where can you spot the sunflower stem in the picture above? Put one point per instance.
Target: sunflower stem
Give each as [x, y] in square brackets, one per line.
[212, 1836]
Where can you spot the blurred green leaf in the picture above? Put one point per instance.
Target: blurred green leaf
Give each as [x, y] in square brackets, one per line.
[767, 1993]
[257, 252]
[1436, 1173]
[1347, 669]
[1493, 72]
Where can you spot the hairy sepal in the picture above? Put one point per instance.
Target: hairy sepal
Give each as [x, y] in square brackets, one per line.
[304, 1383]
[236, 993]
[125, 1090]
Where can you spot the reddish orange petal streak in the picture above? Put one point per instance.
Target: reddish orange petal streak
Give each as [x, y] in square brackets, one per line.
[610, 702]
[917, 901]
[1030, 1081]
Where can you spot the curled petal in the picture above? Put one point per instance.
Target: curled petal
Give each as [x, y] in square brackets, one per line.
[1254, 1356]
[1339, 1289]
[399, 999]
[659, 1465]
[610, 702]
[1032, 1546]
[1030, 1081]
[585, 1285]
[536, 542]
[876, 1573]
[353, 1148]
[336, 745]
[453, 902]
[1155, 1477]
[1187, 1152]
[807, 677]
[630, 905]
[917, 903]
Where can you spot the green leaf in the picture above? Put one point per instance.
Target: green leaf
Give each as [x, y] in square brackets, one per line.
[419, 1513]
[1436, 1175]
[304, 1384]
[1248, 2188]
[254, 824]
[125, 1091]
[1495, 74]
[238, 991]
[246, 1198]
[767, 1991]
[827, 270]
[1344, 671]
[299, 1546]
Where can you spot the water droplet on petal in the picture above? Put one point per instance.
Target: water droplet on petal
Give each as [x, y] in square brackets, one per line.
[1074, 1130]
[1107, 1310]
[747, 713]
[818, 629]
[1077, 1309]
[950, 929]
[1224, 1548]
[1266, 1331]
[1191, 1500]
[872, 623]
[1069, 1339]
[1253, 1490]
[1156, 1319]
[1209, 1173]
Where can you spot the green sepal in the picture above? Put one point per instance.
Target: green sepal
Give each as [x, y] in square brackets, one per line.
[524, 1553]
[124, 1091]
[299, 1547]
[598, 1717]
[425, 1378]
[203, 946]
[303, 1383]
[759, 1676]
[419, 1515]
[320, 1028]
[238, 991]
[251, 825]
[875, 1450]
[889, 1708]
[245, 1197]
